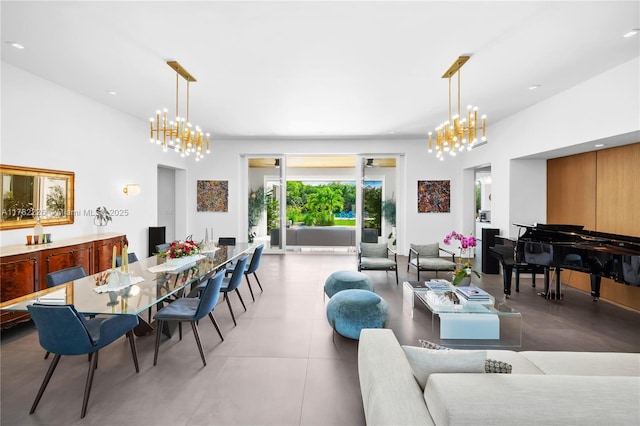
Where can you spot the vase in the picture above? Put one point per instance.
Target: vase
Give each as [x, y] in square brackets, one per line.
[465, 281]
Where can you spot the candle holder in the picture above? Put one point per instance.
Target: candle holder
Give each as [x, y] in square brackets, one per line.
[114, 280]
[125, 278]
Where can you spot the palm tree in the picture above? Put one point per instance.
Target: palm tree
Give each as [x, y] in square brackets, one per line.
[323, 203]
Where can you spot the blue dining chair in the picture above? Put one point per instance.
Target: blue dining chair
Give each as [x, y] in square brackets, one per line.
[131, 256]
[65, 275]
[162, 247]
[191, 309]
[251, 268]
[63, 331]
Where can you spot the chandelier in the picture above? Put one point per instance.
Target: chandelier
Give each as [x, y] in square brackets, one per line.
[457, 133]
[179, 135]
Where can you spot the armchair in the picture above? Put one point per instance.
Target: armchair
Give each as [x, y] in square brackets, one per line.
[426, 257]
[377, 257]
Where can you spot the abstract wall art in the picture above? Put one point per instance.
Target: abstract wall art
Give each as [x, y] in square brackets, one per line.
[213, 196]
[434, 196]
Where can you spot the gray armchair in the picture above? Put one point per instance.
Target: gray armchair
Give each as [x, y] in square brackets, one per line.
[426, 257]
[377, 257]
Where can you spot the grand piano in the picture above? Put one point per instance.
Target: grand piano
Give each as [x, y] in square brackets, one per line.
[599, 254]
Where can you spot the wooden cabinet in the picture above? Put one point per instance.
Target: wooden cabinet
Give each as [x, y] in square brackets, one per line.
[23, 268]
[19, 275]
[66, 257]
[103, 252]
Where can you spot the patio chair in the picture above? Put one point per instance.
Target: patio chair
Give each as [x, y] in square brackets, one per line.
[377, 257]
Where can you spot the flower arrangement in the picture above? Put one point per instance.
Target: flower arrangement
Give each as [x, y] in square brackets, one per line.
[463, 268]
[179, 249]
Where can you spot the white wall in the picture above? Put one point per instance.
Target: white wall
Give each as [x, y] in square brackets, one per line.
[44, 125]
[603, 107]
[47, 126]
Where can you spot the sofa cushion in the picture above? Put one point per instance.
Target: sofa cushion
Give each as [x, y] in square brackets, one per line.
[430, 345]
[373, 250]
[585, 363]
[428, 361]
[377, 263]
[490, 365]
[495, 366]
[472, 399]
[434, 264]
[427, 250]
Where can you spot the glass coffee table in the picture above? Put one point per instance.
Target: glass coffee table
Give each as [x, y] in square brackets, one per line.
[457, 322]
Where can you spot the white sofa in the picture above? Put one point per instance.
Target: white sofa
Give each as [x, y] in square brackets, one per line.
[545, 387]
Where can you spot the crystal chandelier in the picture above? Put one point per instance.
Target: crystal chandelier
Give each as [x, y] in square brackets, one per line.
[179, 135]
[457, 133]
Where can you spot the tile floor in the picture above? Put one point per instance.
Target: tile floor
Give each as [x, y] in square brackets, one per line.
[281, 365]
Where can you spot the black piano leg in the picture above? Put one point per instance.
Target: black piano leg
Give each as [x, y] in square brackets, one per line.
[595, 287]
[507, 270]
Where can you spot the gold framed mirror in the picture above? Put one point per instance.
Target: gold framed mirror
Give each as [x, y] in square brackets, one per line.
[29, 193]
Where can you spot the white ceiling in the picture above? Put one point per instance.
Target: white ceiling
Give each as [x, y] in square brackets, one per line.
[319, 69]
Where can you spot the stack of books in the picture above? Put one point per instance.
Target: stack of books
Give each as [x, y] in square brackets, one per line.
[473, 293]
[438, 285]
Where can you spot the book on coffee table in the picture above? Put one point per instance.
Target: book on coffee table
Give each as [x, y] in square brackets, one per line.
[438, 285]
[418, 285]
[472, 293]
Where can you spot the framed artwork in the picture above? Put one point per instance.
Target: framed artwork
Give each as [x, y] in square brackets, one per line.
[434, 196]
[213, 196]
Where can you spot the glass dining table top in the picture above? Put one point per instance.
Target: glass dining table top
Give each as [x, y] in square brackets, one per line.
[152, 281]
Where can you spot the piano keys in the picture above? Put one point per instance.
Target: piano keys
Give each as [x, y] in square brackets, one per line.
[598, 254]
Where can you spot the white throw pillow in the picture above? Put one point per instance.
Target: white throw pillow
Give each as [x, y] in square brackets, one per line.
[427, 361]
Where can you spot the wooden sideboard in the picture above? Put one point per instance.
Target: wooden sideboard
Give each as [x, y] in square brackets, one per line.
[23, 268]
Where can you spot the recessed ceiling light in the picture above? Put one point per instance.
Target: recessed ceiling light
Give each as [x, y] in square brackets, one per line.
[112, 92]
[534, 86]
[599, 145]
[632, 33]
[15, 44]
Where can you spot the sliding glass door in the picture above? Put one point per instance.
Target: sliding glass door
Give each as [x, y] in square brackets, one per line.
[266, 202]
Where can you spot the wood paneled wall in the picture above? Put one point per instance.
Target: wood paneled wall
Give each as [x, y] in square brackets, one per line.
[601, 191]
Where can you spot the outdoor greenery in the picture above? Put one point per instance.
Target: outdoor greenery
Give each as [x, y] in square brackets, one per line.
[389, 211]
[256, 207]
[319, 204]
[372, 207]
[322, 204]
[389, 214]
[273, 211]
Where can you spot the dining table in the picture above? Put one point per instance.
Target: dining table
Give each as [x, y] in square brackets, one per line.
[151, 282]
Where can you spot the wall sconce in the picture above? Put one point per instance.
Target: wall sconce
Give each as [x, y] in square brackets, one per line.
[131, 189]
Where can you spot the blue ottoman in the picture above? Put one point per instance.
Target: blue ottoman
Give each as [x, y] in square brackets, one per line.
[343, 280]
[349, 311]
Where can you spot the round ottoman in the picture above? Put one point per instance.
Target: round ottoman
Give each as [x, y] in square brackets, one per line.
[343, 280]
[349, 311]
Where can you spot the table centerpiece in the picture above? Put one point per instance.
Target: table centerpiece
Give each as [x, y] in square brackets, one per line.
[462, 273]
[182, 253]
